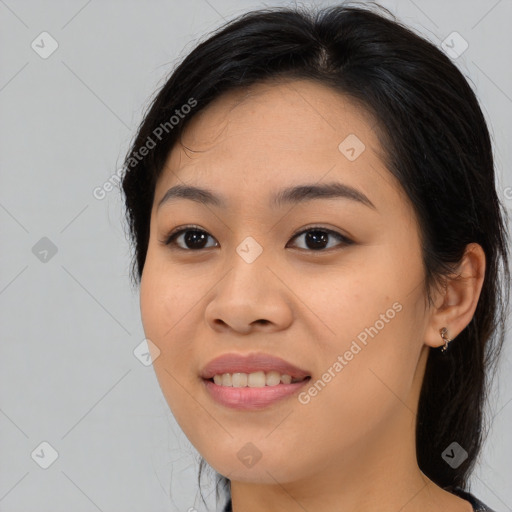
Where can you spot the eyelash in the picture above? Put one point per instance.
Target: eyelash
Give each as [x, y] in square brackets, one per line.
[171, 237]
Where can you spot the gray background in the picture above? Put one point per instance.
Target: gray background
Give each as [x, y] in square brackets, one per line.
[70, 323]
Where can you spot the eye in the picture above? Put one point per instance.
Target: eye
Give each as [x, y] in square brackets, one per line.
[316, 238]
[192, 238]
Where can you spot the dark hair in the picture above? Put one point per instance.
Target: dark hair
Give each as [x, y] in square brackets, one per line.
[436, 144]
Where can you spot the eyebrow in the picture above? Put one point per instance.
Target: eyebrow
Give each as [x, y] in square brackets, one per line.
[291, 195]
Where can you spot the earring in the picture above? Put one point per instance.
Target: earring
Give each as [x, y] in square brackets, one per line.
[446, 340]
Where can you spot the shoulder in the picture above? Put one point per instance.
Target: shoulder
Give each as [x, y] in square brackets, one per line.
[477, 505]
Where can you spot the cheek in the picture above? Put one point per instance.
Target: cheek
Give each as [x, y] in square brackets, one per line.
[161, 312]
[167, 307]
[369, 342]
[165, 300]
[362, 387]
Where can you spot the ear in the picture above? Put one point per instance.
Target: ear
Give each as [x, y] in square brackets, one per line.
[456, 304]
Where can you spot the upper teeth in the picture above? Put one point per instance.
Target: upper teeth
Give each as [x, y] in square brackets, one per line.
[253, 380]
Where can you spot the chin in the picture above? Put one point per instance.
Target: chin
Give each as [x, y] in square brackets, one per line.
[258, 474]
[271, 468]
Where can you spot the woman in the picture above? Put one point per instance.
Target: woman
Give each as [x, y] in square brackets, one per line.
[322, 261]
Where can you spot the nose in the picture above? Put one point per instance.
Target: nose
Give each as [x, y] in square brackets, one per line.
[250, 297]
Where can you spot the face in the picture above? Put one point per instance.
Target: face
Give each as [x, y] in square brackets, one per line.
[332, 284]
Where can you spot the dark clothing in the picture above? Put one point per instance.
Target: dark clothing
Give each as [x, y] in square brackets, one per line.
[477, 505]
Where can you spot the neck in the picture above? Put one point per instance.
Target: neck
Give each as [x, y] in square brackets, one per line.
[384, 476]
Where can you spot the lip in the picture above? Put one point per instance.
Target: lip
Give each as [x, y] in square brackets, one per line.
[247, 398]
[237, 363]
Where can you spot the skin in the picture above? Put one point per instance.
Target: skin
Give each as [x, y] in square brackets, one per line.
[352, 447]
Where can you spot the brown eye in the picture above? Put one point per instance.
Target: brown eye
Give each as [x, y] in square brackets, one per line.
[317, 238]
[192, 239]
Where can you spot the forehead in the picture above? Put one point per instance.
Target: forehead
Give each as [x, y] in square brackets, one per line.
[292, 115]
[271, 135]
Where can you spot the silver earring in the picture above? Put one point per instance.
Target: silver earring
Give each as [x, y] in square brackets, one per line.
[446, 340]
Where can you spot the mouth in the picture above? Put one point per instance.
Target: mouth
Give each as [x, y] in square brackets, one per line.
[251, 382]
